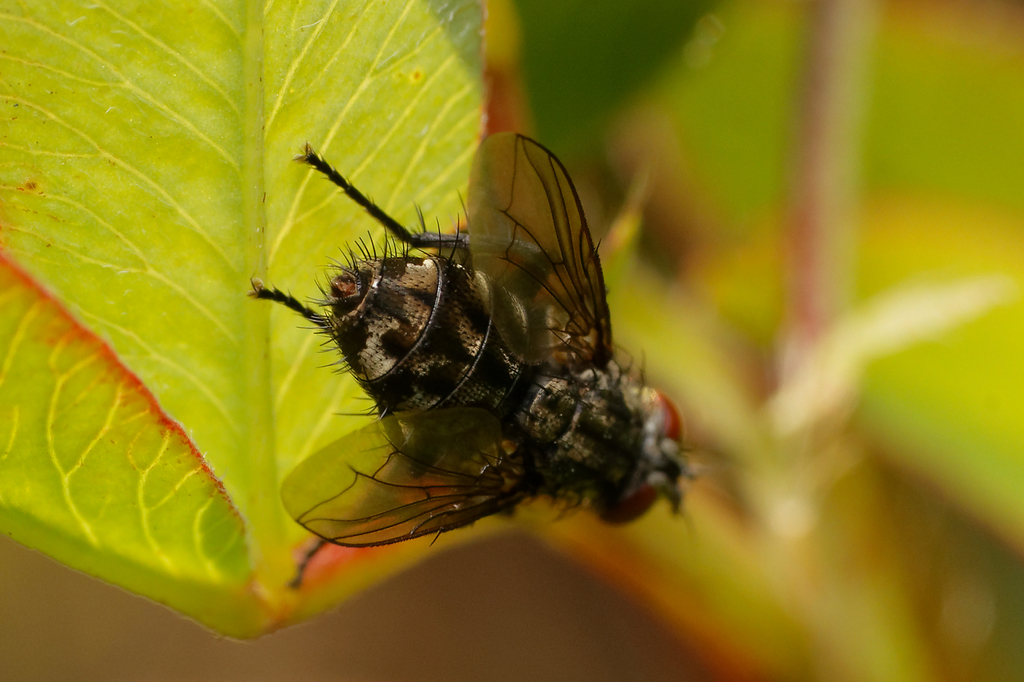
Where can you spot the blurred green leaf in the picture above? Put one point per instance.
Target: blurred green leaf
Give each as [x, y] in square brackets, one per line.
[951, 409]
[734, 115]
[581, 59]
[945, 112]
[147, 176]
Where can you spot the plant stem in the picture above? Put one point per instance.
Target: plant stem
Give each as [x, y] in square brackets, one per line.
[821, 239]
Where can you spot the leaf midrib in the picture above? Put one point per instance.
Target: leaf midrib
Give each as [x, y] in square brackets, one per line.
[264, 522]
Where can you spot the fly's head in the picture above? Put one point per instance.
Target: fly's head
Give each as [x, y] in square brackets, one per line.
[660, 465]
[345, 301]
[347, 290]
[377, 309]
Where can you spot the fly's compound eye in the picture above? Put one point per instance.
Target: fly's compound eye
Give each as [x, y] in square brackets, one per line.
[672, 423]
[632, 506]
[346, 291]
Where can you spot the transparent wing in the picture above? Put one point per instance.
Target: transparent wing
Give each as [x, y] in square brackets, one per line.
[410, 474]
[529, 236]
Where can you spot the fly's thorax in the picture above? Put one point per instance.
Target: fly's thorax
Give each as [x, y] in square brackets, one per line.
[549, 408]
[378, 311]
[601, 437]
[581, 433]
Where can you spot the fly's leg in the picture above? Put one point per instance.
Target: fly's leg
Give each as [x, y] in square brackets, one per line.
[300, 571]
[419, 240]
[272, 294]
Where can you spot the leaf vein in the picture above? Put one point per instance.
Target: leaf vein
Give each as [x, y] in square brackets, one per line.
[297, 61]
[290, 219]
[152, 354]
[140, 496]
[192, 223]
[216, 11]
[18, 338]
[197, 535]
[176, 55]
[125, 83]
[421, 148]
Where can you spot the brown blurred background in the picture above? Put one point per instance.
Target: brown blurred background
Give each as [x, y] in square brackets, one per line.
[503, 609]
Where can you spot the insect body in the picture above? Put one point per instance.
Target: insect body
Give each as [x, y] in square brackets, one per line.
[490, 362]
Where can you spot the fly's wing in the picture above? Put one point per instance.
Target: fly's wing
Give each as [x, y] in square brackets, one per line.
[410, 474]
[529, 236]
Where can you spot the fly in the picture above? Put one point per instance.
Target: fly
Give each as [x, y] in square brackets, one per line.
[490, 362]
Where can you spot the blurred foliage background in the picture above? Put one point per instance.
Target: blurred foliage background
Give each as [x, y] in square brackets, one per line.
[832, 233]
[826, 181]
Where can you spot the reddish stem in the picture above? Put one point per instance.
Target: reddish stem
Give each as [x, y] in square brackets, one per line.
[821, 236]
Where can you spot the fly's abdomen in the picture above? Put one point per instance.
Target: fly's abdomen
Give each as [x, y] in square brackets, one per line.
[417, 335]
[494, 376]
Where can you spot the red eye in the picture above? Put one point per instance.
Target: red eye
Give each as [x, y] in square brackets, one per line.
[673, 424]
[631, 507]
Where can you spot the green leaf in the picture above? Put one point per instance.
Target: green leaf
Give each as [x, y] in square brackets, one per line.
[951, 409]
[93, 472]
[147, 176]
[944, 110]
[582, 59]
